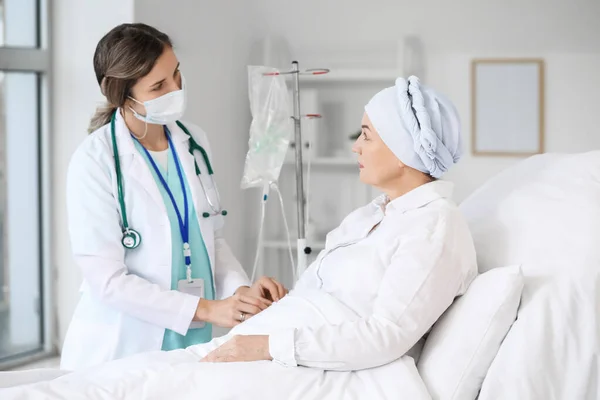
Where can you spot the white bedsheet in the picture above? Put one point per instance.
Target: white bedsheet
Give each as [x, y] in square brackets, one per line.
[23, 377]
[179, 375]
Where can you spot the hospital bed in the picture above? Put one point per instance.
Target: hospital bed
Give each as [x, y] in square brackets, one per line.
[527, 328]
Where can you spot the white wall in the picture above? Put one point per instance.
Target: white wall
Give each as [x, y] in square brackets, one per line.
[76, 28]
[570, 110]
[360, 34]
[363, 28]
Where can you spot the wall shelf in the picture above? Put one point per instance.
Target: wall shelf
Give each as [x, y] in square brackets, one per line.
[354, 75]
[283, 244]
[327, 161]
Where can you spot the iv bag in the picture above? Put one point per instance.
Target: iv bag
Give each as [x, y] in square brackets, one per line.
[271, 128]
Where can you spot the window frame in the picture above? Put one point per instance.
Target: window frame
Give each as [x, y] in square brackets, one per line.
[39, 60]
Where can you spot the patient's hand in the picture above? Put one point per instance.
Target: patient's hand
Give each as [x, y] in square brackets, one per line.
[267, 288]
[241, 348]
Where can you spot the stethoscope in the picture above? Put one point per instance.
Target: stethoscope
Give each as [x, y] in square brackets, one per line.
[131, 238]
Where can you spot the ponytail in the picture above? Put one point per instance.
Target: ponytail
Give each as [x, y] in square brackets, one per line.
[101, 117]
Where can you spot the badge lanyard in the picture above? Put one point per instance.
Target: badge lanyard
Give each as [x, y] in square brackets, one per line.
[184, 223]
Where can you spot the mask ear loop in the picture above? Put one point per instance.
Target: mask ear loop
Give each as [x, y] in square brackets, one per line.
[145, 132]
[103, 90]
[145, 122]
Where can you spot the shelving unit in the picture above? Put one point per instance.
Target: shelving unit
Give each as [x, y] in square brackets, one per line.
[328, 161]
[354, 75]
[335, 188]
[282, 244]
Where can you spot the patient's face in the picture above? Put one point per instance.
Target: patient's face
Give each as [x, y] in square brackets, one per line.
[378, 165]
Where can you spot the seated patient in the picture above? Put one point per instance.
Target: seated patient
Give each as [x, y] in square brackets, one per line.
[393, 266]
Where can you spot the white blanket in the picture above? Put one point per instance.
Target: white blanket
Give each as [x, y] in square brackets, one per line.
[179, 375]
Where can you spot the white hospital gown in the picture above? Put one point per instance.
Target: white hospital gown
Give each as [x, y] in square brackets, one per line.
[372, 293]
[398, 279]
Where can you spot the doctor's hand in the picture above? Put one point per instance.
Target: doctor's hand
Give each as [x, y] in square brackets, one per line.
[267, 288]
[231, 311]
[241, 348]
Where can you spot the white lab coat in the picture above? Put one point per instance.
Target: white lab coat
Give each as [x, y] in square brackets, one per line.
[127, 301]
[397, 280]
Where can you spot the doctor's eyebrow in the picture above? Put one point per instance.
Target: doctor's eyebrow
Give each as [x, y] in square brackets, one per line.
[162, 80]
[365, 127]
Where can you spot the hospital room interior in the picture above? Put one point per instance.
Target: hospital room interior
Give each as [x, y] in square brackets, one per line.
[278, 103]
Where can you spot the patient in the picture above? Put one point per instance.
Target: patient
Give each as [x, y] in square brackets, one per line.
[388, 271]
[393, 266]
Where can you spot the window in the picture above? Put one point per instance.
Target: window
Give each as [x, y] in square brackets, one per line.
[19, 22]
[25, 320]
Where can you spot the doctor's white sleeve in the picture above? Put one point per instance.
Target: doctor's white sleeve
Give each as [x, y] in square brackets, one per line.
[419, 285]
[95, 232]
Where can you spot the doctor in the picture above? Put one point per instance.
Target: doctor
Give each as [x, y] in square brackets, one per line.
[145, 216]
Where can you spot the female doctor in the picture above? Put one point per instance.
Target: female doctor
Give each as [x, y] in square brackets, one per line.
[145, 217]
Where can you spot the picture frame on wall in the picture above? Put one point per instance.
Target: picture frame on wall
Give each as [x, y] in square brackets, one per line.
[507, 106]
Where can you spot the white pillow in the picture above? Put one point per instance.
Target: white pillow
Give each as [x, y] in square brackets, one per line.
[551, 351]
[464, 341]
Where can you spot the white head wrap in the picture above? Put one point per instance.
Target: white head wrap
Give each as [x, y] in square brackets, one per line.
[419, 125]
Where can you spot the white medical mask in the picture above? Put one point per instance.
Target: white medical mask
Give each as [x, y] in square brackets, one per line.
[164, 109]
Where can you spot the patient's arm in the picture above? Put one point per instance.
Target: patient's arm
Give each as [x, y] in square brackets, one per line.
[241, 348]
[422, 280]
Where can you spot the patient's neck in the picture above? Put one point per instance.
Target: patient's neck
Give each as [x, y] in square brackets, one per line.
[403, 184]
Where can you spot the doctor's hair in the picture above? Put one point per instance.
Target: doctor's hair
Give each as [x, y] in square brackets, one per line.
[125, 54]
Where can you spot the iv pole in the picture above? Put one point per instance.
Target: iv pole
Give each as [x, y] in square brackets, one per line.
[302, 249]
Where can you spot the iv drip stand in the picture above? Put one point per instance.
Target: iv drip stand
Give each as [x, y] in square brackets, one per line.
[302, 249]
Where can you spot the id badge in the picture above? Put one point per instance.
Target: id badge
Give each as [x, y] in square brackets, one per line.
[196, 288]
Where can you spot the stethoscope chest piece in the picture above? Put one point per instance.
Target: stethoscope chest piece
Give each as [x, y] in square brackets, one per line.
[131, 239]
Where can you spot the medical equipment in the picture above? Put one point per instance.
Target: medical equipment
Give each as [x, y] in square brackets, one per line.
[268, 144]
[131, 238]
[270, 130]
[270, 133]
